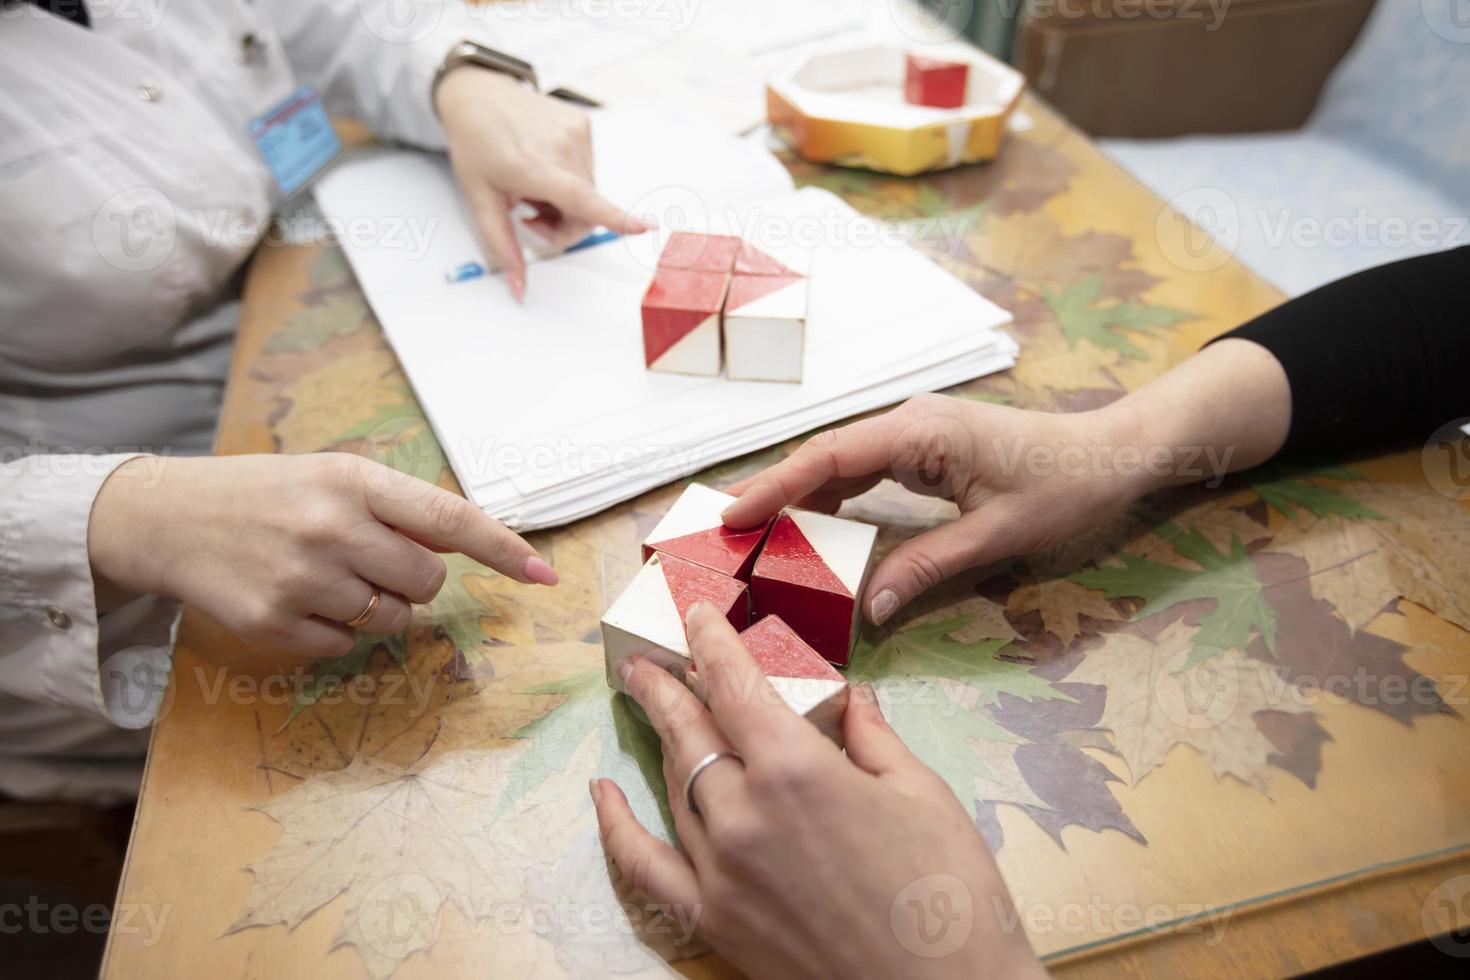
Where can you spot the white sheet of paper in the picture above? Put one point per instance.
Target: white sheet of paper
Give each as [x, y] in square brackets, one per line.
[546, 410]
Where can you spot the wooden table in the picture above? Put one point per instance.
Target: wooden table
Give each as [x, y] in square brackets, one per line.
[440, 793]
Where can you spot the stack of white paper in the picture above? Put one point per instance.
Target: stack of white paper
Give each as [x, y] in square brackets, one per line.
[546, 410]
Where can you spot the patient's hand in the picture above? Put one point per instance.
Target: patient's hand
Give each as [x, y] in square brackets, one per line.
[508, 144]
[803, 862]
[1025, 480]
[283, 550]
[1022, 480]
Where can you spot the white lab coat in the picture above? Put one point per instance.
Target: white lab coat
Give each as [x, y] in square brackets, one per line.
[130, 198]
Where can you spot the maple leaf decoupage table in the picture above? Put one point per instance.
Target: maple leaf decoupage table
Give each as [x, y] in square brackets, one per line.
[1228, 700]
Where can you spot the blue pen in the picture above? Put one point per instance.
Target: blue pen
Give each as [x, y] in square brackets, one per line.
[466, 271]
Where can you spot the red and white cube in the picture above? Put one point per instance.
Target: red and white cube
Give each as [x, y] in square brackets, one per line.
[648, 618]
[800, 677]
[681, 321]
[811, 572]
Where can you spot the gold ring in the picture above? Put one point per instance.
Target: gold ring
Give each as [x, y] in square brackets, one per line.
[367, 613]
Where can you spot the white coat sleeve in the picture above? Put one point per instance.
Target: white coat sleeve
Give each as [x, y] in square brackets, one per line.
[375, 59]
[54, 647]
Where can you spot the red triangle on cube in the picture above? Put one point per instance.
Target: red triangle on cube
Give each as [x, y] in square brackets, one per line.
[751, 261]
[779, 652]
[790, 557]
[690, 584]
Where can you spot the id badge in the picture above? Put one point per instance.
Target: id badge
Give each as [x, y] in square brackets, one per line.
[297, 139]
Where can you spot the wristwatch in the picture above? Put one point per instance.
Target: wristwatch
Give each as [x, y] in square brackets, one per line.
[474, 53]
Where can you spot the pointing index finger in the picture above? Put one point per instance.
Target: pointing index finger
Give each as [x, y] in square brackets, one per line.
[432, 515]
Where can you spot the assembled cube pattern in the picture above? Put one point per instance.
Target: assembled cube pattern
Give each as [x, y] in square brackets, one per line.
[798, 674]
[760, 319]
[648, 618]
[934, 82]
[692, 530]
[811, 572]
[806, 571]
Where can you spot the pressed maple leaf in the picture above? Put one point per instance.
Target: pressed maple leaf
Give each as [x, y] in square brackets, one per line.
[395, 845]
[1156, 699]
[1226, 577]
[1062, 603]
[630, 750]
[1048, 777]
[1080, 318]
[1286, 488]
[1419, 549]
[935, 692]
[1318, 649]
[987, 621]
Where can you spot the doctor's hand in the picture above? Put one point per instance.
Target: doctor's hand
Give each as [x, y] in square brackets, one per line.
[285, 550]
[802, 861]
[508, 144]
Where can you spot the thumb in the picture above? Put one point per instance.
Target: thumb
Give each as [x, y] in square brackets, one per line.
[871, 742]
[921, 563]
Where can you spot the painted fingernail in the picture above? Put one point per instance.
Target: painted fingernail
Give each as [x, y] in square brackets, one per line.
[537, 570]
[884, 604]
[594, 787]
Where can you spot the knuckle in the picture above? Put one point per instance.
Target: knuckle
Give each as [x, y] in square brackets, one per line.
[430, 579]
[734, 839]
[924, 571]
[447, 514]
[927, 403]
[261, 621]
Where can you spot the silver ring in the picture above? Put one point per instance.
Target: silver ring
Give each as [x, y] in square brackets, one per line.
[700, 767]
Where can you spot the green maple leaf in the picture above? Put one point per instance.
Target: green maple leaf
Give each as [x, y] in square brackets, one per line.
[631, 753]
[1228, 578]
[310, 328]
[908, 667]
[330, 269]
[1286, 488]
[1081, 319]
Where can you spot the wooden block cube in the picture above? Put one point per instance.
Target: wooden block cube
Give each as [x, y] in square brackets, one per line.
[695, 252]
[811, 572]
[681, 321]
[648, 618]
[799, 675]
[935, 82]
[692, 530]
[765, 327]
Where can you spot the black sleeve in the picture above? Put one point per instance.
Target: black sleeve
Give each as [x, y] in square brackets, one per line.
[1376, 361]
